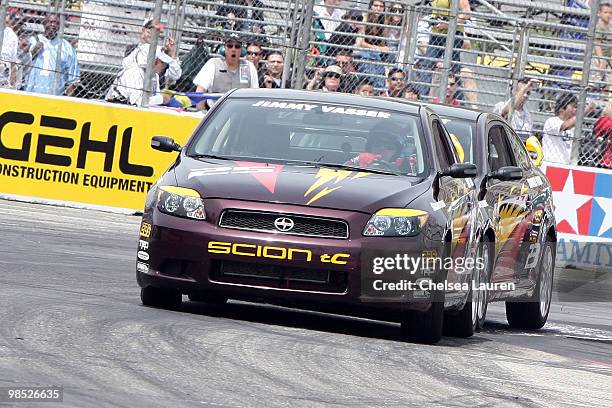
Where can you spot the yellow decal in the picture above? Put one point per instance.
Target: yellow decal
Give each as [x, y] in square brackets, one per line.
[510, 216]
[235, 250]
[325, 258]
[400, 212]
[145, 230]
[217, 247]
[181, 191]
[321, 194]
[511, 211]
[273, 252]
[325, 176]
[331, 176]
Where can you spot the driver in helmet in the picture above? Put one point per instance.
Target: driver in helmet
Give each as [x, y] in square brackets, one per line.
[383, 148]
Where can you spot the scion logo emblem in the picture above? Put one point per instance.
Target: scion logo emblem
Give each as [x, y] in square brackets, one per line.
[283, 224]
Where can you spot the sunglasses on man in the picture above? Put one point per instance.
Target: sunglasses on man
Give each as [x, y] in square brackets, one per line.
[333, 75]
[233, 45]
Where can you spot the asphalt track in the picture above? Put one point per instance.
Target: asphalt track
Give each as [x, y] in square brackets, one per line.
[70, 315]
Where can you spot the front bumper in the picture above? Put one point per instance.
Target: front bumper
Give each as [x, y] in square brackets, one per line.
[196, 256]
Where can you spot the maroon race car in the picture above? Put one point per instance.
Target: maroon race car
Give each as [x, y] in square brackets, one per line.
[284, 195]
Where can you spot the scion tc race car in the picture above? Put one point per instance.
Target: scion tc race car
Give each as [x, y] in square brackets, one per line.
[335, 199]
[516, 213]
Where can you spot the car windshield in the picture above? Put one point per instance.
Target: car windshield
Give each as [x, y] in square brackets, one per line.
[465, 130]
[313, 133]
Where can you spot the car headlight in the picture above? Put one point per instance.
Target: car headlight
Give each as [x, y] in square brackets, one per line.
[396, 222]
[181, 202]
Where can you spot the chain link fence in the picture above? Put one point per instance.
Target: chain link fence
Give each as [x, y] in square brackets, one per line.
[88, 44]
[520, 58]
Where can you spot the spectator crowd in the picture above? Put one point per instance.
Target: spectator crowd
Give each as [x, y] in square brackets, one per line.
[353, 51]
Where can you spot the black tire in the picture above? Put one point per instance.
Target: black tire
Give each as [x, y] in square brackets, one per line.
[471, 317]
[208, 297]
[161, 298]
[461, 323]
[424, 327]
[532, 314]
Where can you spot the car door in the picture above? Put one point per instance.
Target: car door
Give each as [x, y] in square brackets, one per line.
[510, 202]
[458, 197]
[534, 187]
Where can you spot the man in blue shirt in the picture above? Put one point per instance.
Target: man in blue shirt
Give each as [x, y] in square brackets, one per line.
[45, 76]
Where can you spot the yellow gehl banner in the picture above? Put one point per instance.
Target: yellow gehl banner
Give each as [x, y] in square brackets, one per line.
[72, 150]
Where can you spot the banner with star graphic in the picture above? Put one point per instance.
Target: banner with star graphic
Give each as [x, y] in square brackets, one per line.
[583, 210]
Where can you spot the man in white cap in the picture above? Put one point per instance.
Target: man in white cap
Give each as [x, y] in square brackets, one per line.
[137, 54]
[128, 87]
[219, 75]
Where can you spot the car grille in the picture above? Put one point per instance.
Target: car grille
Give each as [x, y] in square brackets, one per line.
[279, 276]
[303, 225]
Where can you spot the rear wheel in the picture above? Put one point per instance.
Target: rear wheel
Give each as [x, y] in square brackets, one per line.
[533, 313]
[161, 298]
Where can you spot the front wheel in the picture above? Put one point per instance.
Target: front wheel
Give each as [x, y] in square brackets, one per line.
[161, 298]
[533, 314]
[424, 327]
[427, 327]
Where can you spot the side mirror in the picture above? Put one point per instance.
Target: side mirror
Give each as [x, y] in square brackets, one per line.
[461, 170]
[507, 173]
[165, 144]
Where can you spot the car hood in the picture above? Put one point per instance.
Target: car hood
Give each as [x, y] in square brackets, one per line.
[297, 185]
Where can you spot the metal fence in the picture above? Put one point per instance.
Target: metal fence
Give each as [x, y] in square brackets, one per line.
[472, 53]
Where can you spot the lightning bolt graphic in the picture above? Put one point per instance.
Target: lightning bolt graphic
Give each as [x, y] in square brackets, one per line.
[325, 191]
[324, 176]
[330, 176]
